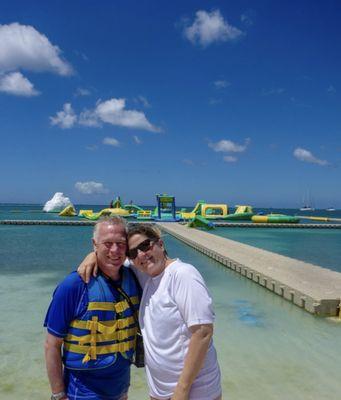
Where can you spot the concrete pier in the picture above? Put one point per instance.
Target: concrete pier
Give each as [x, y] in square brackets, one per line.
[45, 222]
[316, 289]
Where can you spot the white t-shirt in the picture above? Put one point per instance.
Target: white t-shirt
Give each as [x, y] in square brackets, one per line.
[171, 303]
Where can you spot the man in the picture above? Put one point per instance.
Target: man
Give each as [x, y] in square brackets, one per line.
[91, 328]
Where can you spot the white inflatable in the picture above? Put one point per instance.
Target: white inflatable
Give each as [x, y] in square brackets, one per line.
[57, 203]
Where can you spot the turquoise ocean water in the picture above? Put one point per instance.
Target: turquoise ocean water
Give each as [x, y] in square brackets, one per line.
[267, 347]
[317, 246]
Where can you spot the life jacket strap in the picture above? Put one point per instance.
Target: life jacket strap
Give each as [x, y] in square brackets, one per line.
[110, 306]
[93, 338]
[106, 327]
[103, 337]
[121, 347]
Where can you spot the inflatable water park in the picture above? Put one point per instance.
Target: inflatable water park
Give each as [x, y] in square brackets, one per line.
[275, 219]
[202, 215]
[165, 210]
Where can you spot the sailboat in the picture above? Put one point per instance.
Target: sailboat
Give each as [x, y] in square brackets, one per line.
[307, 208]
[307, 204]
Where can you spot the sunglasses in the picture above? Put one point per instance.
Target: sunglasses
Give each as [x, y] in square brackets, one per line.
[143, 246]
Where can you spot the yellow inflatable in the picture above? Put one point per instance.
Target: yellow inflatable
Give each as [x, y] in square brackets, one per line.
[82, 212]
[89, 214]
[68, 211]
[214, 211]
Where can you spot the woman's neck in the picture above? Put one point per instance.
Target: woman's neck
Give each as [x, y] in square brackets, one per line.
[169, 261]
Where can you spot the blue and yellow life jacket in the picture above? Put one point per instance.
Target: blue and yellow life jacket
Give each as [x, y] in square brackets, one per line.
[107, 327]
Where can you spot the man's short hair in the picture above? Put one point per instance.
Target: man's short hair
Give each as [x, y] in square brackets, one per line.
[115, 220]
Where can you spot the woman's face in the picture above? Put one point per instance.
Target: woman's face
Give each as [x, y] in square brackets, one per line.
[147, 254]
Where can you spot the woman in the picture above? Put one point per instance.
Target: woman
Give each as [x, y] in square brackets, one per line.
[176, 320]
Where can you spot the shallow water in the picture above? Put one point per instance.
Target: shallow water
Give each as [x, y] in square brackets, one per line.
[267, 347]
[316, 246]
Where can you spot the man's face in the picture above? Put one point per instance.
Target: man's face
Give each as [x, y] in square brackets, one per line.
[110, 247]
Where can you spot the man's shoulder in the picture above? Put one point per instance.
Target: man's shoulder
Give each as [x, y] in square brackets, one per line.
[68, 301]
[72, 282]
[70, 291]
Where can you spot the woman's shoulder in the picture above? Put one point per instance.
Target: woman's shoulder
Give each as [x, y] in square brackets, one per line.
[181, 268]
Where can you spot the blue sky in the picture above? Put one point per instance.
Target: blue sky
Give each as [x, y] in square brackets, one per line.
[234, 102]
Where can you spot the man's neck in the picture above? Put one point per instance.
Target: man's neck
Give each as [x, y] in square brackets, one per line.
[113, 275]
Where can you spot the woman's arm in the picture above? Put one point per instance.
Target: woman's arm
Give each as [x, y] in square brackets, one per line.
[88, 267]
[198, 345]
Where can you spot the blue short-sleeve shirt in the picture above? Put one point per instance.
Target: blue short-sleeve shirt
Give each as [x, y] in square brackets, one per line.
[70, 300]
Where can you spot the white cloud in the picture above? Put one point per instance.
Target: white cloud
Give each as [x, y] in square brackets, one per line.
[112, 112]
[111, 141]
[230, 159]
[83, 56]
[89, 118]
[213, 102]
[16, 84]
[306, 156]
[298, 103]
[82, 92]
[143, 100]
[210, 27]
[331, 89]
[66, 119]
[137, 140]
[272, 91]
[221, 84]
[23, 47]
[227, 146]
[188, 161]
[91, 187]
[247, 18]
[92, 147]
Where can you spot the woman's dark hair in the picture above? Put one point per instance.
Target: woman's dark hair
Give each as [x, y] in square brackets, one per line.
[149, 230]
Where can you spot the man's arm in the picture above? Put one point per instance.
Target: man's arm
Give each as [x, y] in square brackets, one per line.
[69, 300]
[198, 345]
[54, 366]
